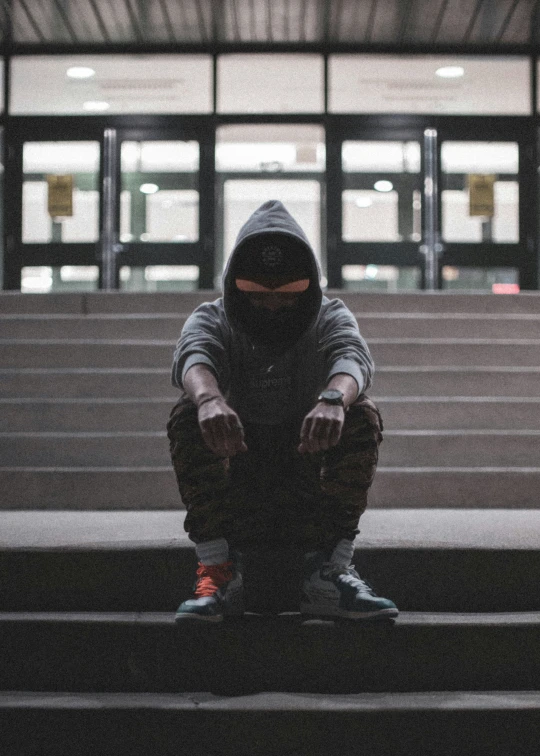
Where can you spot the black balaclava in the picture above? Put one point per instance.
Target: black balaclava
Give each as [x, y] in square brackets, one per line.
[273, 259]
[272, 249]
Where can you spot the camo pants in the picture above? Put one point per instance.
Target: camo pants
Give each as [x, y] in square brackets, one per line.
[272, 494]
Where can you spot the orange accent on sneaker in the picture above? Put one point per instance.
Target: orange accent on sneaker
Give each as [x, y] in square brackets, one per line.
[212, 577]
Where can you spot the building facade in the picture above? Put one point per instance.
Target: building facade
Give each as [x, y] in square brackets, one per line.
[403, 136]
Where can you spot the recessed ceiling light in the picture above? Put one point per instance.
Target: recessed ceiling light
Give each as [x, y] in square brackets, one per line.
[363, 201]
[80, 72]
[450, 72]
[383, 186]
[149, 188]
[97, 106]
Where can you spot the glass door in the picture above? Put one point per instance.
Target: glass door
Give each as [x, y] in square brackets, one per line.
[260, 162]
[435, 205]
[486, 182]
[163, 241]
[53, 220]
[375, 209]
[115, 208]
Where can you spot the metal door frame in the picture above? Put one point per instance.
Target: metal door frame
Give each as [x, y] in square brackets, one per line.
[415, 128]
[107, 253]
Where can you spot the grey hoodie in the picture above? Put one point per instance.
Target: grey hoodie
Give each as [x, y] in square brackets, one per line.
[270, 385]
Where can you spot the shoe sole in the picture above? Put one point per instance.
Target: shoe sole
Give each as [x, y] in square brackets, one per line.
[198, 618]
[337, 612]
[208, 618]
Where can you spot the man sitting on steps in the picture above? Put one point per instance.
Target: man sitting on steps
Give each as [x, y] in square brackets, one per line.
[273, 440]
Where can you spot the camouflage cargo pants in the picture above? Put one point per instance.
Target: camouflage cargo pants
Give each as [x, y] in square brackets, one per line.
[272, 494]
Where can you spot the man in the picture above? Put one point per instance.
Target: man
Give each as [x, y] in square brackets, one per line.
[273, 440]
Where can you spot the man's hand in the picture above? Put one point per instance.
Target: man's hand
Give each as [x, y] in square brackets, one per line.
[322, 428]
[221, 428]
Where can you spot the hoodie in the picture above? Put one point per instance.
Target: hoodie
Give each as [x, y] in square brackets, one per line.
[273, 381]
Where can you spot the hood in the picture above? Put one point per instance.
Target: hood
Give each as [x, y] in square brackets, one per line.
[272, 223]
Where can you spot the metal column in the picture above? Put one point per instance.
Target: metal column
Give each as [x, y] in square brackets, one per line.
[109, 242]
[432, 246]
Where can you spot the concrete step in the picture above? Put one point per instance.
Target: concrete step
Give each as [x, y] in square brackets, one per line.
[154, 488]
[399, 413]
[85, 415]
[458, 412]
[146, 652]
[406, 448]
[457, 381]
[160, 326]
[128, 302]
[425, 560]
[148, 449]
[126, 383]
[131, 383]
[168, 326]
[490, 723]
[102, 302]
[451, 448]
[155, 383]
[26, 353]
[13, 302]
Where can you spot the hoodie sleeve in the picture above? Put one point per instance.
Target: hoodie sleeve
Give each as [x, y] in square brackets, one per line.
[344, 349]
[203, 341]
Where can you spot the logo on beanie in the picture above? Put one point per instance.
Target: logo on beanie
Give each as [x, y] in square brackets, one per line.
[272, 257]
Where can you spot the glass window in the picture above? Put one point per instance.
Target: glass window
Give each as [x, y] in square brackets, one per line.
[268, 148]
[496, 280]
[159, 278]
[44, 279]
[78, 163]
[159, 201]
[462, 164]
[382, 200]
[90, 84]
[270, 83]
[380, 278]
[470, 85]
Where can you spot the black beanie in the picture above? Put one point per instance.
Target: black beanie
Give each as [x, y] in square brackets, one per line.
[272, 255]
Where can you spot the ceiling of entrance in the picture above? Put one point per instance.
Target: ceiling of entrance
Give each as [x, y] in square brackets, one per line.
[217, 24]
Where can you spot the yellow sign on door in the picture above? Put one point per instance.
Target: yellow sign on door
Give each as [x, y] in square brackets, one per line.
[481, 194]
[60, 196]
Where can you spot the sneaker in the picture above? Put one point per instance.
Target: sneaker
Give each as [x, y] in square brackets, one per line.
[218, 593]
[331, 590]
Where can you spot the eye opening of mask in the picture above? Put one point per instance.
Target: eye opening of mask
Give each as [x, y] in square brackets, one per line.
[293, 287]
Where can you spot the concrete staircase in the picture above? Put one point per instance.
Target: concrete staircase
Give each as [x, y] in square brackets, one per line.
[94, 559]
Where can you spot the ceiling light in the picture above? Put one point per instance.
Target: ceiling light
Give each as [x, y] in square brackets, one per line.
[450, 72]
[371, 271]
[96, 106]
[149, 188]
[80, 72]
[363, 202]
[383, 186]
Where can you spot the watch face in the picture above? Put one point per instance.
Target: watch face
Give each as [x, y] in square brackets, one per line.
[332, 396]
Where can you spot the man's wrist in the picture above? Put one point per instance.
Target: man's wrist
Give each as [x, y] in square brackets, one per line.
[205, 399]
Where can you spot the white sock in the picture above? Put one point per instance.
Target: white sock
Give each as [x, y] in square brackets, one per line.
[212, 552]
[343, 553]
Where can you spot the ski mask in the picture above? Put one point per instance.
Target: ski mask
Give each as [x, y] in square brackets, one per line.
[272, 253]
[273, 263]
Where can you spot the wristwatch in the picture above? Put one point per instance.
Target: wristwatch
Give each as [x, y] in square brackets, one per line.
[331, 396]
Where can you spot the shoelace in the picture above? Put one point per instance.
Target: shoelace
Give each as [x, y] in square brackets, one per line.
[349, 576]
[211, 577]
